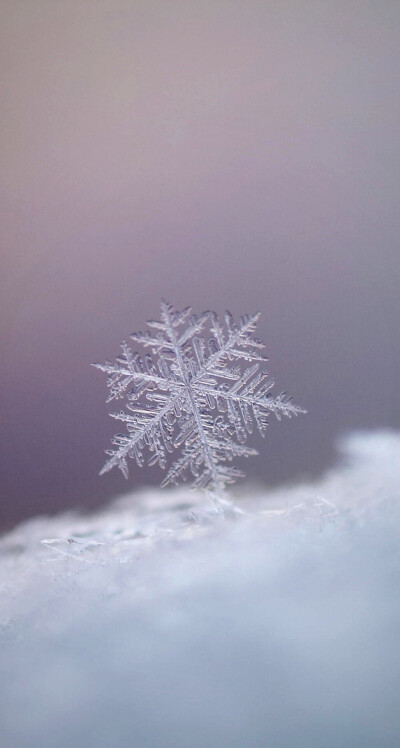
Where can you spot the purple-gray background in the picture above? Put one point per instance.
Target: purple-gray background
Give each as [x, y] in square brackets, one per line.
[220, 154]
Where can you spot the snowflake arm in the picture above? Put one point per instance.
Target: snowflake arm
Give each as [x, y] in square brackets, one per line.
[147, 427]
[132, 369]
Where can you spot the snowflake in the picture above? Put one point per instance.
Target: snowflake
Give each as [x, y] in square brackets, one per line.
[201, 397]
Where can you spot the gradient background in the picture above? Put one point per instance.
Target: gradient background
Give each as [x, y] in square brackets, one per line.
[221, 154]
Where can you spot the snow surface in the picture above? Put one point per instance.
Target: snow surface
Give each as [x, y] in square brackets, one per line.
[138, 628]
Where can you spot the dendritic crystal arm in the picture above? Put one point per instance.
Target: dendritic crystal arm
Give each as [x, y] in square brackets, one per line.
[197, 393]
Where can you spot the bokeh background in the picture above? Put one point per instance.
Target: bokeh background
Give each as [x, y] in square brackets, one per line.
[225, 154]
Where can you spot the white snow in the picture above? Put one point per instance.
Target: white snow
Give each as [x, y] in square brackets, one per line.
[138, 628]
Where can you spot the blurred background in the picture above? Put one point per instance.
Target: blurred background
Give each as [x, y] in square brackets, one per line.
[225, 154]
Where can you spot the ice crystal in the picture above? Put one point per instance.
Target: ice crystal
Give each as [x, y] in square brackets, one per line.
[199, 396]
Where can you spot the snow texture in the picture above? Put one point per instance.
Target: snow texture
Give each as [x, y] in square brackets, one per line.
[192, 395]
[139, 628]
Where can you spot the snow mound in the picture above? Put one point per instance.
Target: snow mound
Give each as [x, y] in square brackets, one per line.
[139, 627]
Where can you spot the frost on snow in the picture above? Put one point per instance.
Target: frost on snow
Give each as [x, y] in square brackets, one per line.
[201, 397]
